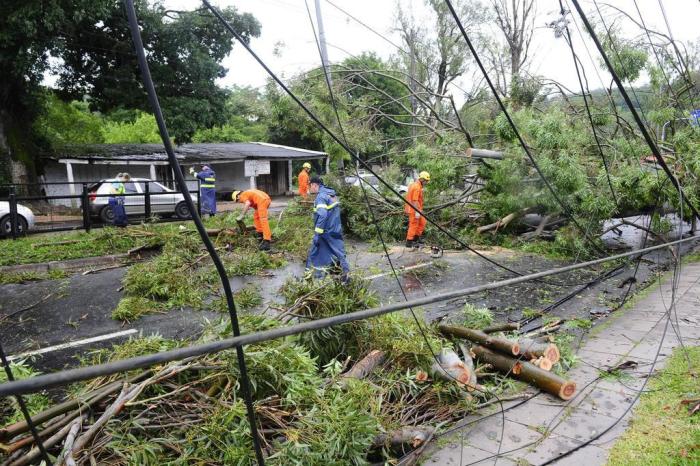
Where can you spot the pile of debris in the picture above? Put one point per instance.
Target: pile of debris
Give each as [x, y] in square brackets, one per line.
[361, 393]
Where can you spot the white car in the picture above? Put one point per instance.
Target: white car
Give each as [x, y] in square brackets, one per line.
[371, 180]
[164, 201]
[25, 219]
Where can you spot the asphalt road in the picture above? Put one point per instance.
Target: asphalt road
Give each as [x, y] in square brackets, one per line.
[79, 308]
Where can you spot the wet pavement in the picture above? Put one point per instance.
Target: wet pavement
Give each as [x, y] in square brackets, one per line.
[79, 307]
[546, 430]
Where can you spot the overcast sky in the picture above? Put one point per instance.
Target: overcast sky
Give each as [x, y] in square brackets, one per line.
[286, 22]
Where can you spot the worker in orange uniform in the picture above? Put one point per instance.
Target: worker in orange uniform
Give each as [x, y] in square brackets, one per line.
[416, 222]
[260, 202]
[304, 179]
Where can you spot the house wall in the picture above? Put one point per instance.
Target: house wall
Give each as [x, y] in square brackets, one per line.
[229, 176]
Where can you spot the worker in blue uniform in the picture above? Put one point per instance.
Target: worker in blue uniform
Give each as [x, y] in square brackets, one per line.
[207, 189]
[116, 201]
[327, 248]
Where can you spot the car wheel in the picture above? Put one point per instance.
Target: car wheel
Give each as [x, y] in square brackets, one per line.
[107, 214]
[182, 211]
[6, 226]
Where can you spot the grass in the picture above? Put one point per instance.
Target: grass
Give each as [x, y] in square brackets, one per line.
[59, 247]
[23, 277]
[662, 432]
[36, 402]
[131, 308]
[477, 317]
[248, 297]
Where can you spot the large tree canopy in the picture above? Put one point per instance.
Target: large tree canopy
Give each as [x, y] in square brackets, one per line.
[89, 41]
[185, 50]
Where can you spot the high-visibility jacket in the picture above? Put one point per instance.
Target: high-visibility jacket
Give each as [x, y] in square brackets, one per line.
[327, 246]
[117, 188]
[415, 197]
[208, 178]
[254, 196]
[327, 212]
[303, 182]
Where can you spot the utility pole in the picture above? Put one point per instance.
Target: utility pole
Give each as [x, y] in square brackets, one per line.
[324, 59]
[322, 41]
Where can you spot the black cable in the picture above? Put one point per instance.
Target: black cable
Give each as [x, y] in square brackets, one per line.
[64, 377]
[345, 147]
[378, 229]
[221, 270]
[585, 102]
[525, 147]
[656, 54]
[613, 47]
[24, 410]
[647, 137]
[684, 65]
[389, 41]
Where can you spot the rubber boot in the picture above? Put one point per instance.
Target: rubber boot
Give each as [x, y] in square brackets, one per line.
[410, 243]
[265, 245]
[419, 240]
[259, 235]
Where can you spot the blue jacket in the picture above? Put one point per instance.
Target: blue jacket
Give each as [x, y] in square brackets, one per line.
[327, 212]
[208, 178]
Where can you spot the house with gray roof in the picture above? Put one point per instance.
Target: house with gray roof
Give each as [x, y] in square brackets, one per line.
[238, 166]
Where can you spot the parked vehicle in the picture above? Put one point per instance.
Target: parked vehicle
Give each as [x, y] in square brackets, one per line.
[371, 180]
[164, 201]
[25, 219]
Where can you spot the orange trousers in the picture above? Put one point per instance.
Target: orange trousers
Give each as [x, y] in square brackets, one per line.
[260, 219]
[416, 226]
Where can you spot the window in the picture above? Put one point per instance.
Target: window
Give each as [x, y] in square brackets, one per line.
[130, 187]
[154, 188]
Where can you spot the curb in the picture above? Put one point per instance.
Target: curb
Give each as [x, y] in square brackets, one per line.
[67, 265]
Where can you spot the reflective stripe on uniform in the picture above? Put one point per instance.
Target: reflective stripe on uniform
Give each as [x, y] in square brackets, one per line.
[325, 206]
[207, 186]
[318, 230]
[210, 179]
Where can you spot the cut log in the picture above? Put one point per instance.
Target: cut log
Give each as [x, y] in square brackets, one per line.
[405, 438]
[550, 383]
[499, 344]
[504, 327]
[543, 363]
[533, 349]
[364, 366]
[469, 365]
[450, 368]
[484, 154]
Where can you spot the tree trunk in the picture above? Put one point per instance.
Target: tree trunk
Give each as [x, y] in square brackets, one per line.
[504, 327]
[521, 370]
[532, 349]
[499, 344]
[18, 153]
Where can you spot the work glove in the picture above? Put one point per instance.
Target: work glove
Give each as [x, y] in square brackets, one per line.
[239, 218]
[191, 171]
[417, 215]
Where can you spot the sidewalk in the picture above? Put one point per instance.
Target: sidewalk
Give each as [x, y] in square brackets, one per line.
[540, 429]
